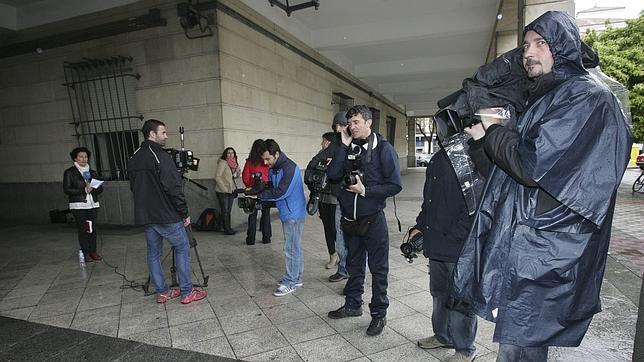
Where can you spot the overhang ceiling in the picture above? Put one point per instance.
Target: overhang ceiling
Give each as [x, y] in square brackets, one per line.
[411, 51]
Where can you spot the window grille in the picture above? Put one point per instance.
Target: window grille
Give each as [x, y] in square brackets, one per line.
[102, 98]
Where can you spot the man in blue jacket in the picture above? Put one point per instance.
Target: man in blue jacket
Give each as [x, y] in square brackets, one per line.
[288, 195]
[534, 260]
[368, 166]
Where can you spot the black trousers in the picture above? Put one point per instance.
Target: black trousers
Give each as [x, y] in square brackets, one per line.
[225, 206]
[327, 214]
[87, 241]
[375, 244]
[264, 224]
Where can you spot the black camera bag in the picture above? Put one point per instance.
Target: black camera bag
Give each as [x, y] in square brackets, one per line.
[358, 227]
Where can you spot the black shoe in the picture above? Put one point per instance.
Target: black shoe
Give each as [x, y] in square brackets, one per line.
[266, 240]
[376, 326]
[230, 232]
[337, 277]
[343, 312]
[250, 242]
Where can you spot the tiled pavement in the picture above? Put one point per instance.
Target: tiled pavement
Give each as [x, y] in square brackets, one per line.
[41, 281]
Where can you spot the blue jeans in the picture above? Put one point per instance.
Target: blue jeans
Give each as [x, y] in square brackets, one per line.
[450, 326]
[512, 353]
[340, 247]
[176, 234]
[293, 252]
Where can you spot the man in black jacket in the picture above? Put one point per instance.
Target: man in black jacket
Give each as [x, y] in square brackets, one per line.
[159, 204]
[444, 221]
[376, 171]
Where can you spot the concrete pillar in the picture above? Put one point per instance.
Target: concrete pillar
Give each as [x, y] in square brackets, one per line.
[411, 142]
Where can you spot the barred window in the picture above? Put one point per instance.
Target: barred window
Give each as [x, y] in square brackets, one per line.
[102, 97]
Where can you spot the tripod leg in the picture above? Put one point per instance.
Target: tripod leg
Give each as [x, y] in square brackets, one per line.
[173, 271]
[146, 287]
[193, 244]
[203, 275]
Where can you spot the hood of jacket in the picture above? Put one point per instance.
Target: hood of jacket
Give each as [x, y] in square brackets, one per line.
[559, 30]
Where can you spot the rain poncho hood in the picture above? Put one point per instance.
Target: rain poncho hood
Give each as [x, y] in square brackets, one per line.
[538, 274]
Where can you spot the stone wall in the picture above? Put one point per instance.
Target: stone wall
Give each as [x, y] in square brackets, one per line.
[225, 90]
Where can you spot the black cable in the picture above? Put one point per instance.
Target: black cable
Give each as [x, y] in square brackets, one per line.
[131, 283]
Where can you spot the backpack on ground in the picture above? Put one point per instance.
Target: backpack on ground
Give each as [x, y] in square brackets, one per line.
[209, 220]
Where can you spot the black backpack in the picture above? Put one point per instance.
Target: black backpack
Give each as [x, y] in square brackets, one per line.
[209, 220]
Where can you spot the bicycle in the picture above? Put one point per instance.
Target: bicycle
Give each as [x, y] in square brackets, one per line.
[638, 185]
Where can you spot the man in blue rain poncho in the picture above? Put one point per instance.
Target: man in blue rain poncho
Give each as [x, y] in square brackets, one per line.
[535, 257]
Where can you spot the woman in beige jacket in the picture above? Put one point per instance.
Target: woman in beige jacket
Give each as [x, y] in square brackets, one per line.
[227, 171]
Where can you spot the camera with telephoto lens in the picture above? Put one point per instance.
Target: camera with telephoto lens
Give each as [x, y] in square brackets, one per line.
[316, 180]
[412, 246]
[249, 204]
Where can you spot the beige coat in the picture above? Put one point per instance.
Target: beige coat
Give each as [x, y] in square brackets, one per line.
[224, 178]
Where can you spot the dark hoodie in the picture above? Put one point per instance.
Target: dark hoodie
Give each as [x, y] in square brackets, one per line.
[537, 271]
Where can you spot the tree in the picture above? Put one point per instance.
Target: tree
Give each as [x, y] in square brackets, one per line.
[621, 56]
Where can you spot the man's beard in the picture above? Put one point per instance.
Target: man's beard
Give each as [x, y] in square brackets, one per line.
[532, 72]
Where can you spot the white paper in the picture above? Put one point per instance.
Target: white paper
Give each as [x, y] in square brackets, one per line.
[94, 183]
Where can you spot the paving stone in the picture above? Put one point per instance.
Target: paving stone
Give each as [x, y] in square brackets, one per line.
[405, 352]
[256, 341]
[236, 323]
[372, 344]
[331, 348]
[194, 332]
[305, 329]
[286, 354]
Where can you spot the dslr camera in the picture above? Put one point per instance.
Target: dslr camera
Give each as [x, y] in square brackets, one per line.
[316, 180]
[411, 247]
[248, 204]
[355, 156]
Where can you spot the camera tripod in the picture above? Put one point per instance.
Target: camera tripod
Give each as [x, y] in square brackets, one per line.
[173, 271]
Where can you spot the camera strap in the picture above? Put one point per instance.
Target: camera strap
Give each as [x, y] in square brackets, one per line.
[380, 143]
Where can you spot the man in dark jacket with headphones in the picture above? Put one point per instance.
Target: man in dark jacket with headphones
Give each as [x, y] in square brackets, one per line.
[160, 205]
[370, 163]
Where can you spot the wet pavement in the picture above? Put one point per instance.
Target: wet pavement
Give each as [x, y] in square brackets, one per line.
[42, 282]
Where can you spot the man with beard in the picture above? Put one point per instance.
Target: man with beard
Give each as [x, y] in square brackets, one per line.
[534, 260]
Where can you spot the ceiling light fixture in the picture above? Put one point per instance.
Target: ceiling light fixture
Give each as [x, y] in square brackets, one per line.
[291, 8]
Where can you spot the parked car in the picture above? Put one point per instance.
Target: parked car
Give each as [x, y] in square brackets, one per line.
[639, 161]
[422, 159]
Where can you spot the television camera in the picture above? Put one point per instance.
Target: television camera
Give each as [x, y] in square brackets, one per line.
[316, 180]
[184, 160]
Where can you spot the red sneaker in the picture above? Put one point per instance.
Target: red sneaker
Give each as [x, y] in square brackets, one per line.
[194, 296]
[170, 294]
[95, 256]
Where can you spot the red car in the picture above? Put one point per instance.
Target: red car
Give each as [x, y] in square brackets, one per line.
[640, 161]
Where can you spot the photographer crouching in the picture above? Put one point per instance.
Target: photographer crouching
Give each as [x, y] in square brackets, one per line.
[160, 205]
[368, 166]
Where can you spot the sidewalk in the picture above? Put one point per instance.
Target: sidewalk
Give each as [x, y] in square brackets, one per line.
[41, 282]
